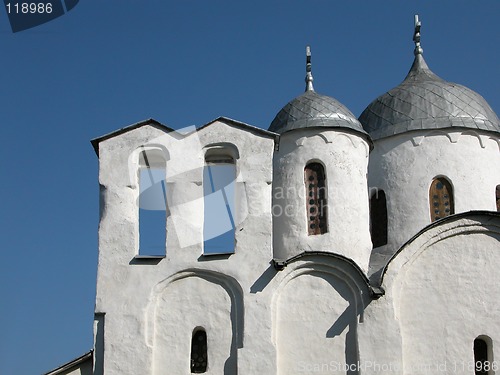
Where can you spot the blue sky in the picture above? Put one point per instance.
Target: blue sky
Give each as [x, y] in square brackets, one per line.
[107, 64]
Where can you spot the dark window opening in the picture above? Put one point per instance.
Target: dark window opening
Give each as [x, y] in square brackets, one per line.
[498, 197]
[481, 361]
[378, 219]
[199, 358]
[316, 202]
[441, 199]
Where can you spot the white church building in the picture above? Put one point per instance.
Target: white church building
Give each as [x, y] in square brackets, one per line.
[326, 244]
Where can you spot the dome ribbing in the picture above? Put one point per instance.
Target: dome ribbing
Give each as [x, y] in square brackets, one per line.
[311, 110]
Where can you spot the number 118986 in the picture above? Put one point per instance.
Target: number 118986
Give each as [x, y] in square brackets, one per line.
[26, 8]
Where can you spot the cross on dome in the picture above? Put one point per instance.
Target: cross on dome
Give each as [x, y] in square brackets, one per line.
[416, 37]
[309, 77]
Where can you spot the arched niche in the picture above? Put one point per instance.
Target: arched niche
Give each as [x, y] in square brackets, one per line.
[185, 302]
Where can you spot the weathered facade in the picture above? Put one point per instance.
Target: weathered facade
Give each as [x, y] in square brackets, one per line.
[356, 246]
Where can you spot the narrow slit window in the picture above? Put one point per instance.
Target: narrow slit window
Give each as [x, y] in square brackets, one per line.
[441, 199]
[483, 361]
[378, 219]
[498, 197]
[199, 355]
[219, 225]
[152, 203]
[316, 202]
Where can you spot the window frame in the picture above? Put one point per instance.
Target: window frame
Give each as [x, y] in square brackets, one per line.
[486, 358]
[203, 351]
[437, 203]
[316, 212]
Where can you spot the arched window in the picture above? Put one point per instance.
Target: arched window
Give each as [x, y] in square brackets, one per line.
[199, 355]
[219, 225]
[316, 202]
[441, 199]
[483, 355]
[152, 202]
[498, 197]
[378, 219]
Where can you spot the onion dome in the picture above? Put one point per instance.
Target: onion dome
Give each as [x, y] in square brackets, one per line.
[312, 110]
[425, 101]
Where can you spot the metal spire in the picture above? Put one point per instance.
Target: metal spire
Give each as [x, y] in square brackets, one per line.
[416, 37]
[309, 77]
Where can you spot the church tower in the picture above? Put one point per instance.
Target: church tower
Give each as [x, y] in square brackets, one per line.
[319, 178]
[436, 154]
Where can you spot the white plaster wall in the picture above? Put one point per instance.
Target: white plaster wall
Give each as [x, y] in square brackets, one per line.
[345, 157]
[316, 325]
[441, 293]
[379, 339]
[127, 286]
[405, 165]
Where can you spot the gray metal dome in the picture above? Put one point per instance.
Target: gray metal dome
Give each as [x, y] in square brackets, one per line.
[314, 110]
[425, 101]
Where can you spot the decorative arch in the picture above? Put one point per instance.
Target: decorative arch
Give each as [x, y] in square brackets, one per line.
[419, 139]
[453, 137]
[441, 200]
[328, 263]
[230, 285]
[158, 150]
[473, 222]
[178, 308]
[324, 297]
[480, 137]
[222, 148]
[303, 140]
[355, 287]
[497, 141]
[355, 141]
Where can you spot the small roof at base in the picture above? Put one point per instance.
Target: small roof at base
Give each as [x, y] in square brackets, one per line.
[86, 359]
